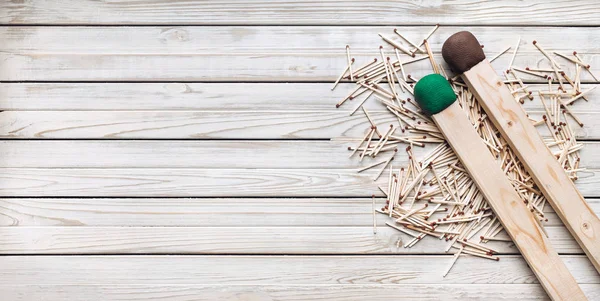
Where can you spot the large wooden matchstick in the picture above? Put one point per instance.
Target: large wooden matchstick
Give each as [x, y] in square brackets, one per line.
[463, 53]
[436, 97]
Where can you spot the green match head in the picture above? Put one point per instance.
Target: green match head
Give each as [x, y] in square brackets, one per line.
[434, 93]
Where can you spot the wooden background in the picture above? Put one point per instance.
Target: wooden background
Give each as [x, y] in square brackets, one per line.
[190, 150]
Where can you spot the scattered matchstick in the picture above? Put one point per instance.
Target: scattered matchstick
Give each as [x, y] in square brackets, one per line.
[462, 211]
[499, 54]
[350, 61]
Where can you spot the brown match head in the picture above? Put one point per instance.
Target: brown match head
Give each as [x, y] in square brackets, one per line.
[462, 51]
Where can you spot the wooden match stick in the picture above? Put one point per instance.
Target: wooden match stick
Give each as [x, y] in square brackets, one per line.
[499, 54]
[512, 59]
[587, 67]
[436, 97]
[396, 45]
[361, 142]
[431, 59]
[462, 52]
[340, 77]
[408, 41]
[350, 61]
[374, 218]
[365, 67]
[427, 37]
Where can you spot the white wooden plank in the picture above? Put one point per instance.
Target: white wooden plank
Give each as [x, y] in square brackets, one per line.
[185, 154]
[247, 67]
[199, 292]
[243, 53]
[184, 182]
[213, 154]
[204, 110]
[205, 212]
[190, 182]
[236, 240]
[316, 40]
[215, 98]
[275, 270]
[215, 125]
[183, 124]
[299, 12]
[191, 212]
[171, 96]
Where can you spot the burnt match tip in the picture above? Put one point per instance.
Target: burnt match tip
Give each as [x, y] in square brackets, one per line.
[462, 51]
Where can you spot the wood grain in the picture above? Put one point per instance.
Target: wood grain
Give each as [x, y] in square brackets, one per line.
[205, 212]
[212, 154]
[272, 104]
[512, 122]
[207, 97]
[245, 67]
[204, 111]
[209, 154]
[189, 182]
[325, 124]
[194, 182]
[199, 292]
[235, 240]
[316, 40]
[242, 53]
[274, 270]
[513, 214]
[183, 125]
[287, 12]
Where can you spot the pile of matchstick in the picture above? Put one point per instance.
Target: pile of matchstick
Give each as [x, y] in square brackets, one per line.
[435, 196]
